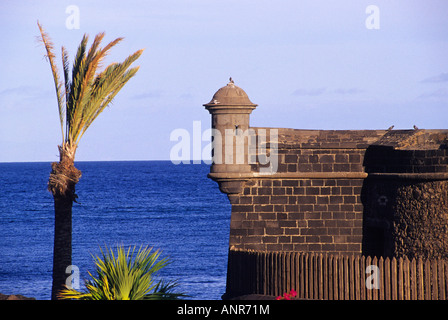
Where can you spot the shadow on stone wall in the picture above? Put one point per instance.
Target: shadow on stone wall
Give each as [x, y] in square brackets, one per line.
[405, 201]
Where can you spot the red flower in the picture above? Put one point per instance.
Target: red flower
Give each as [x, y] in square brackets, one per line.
[287, 296]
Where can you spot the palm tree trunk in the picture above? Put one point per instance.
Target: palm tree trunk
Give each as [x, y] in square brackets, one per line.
[62, 249]
[63, 179]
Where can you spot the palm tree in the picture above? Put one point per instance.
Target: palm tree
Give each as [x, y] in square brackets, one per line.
[126, 276]
[80, 99]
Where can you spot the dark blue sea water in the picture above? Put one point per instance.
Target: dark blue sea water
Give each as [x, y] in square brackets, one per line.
[174, 208]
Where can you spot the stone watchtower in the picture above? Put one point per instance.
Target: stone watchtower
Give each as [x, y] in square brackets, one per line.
[230, 108]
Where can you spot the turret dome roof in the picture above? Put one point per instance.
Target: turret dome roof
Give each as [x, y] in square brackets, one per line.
[230, 95]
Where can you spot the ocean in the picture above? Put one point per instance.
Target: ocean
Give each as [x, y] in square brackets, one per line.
[173, 208]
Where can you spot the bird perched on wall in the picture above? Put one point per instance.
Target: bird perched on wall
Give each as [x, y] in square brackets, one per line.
[415, 127]
[390, 128]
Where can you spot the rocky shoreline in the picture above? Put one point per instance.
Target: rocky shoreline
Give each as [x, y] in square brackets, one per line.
[244, 297]
[14, 297]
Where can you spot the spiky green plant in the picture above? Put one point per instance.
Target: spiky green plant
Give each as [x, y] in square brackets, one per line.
[126, 275]
[81, 98]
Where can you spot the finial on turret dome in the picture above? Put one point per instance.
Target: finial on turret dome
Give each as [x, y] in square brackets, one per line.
[230, 95]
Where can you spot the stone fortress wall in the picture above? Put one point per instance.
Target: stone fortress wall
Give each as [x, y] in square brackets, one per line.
[363, 192]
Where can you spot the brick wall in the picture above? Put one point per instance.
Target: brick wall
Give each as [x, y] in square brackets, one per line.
[313, 202]
[329, 193]
[306, 215]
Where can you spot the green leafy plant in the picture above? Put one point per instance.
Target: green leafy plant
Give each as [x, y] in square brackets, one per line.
[126, 275]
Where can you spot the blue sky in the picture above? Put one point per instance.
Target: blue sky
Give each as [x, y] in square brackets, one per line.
[309, 64]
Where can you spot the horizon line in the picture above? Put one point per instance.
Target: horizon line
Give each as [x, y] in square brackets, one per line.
[193, 161]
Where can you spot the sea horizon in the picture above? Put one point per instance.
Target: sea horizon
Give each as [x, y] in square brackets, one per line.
[174, 208]
[192, 161]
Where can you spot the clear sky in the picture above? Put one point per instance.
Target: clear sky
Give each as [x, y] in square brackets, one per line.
[310, 64]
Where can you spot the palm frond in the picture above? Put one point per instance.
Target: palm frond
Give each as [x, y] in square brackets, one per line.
[91, 63]
[49, 47]
[89, 91]
[103, 90]
[67, 83]
[78, 71]
[165, 291]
